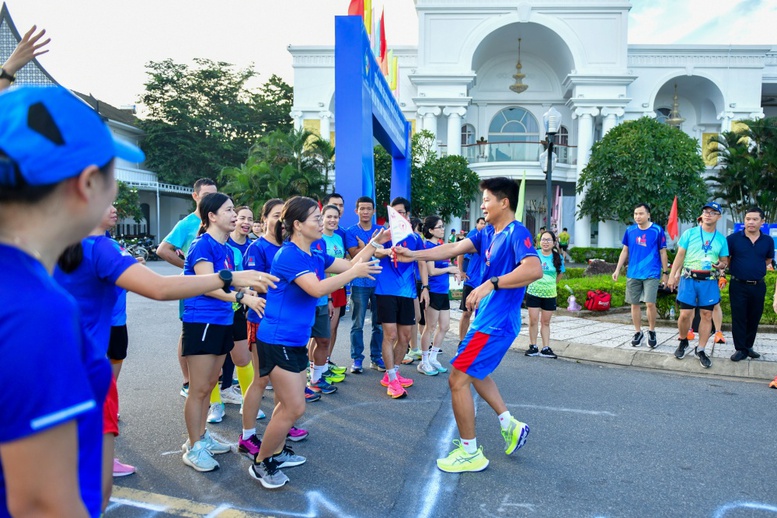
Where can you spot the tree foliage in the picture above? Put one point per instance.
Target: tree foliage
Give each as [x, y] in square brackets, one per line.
[643, 161]
[747, 160]
[205, 117]
[128, 203]
[438, 185]
[281, 165]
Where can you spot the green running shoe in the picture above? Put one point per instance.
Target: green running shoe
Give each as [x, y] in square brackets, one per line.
[459, 461]
[515, 435]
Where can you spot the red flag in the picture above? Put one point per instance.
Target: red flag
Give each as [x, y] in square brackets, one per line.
[356, 7]
[382, 57]
[671, 227]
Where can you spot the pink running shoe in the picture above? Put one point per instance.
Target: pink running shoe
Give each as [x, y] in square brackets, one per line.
[395, 390]
[249, 447]
[122, 470]
[405, 382]
[297, 434]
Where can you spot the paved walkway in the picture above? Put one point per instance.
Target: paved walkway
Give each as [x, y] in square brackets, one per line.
[583, 336]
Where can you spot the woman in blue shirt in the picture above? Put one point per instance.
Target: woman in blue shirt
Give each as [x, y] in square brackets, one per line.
[283, 336]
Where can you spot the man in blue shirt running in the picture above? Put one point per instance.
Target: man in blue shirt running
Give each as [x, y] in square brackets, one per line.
[510, 264]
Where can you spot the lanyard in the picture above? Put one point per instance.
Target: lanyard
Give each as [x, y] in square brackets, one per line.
[707, 248]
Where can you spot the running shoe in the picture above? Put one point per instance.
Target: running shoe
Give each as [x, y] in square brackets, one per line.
[752, 354]
[547, 352]
[652, 340]
[311, 396]
[322, 387]
[335, 368]
[199, 458]
[459, 461]
[216, 412]
[773, 383]
[122, 470]
[425, 368]
[680, 351]
[719, 338]
[269, 386]
[405, 382]
[185, 390]
[415, 354]
[637, 340]
[532, 351]
[297, 434]
[407, 360]
[378, 365]
[214, 446]
[356, 367]
[691, 336]
[288, 459]
[437, 365]
[259, 415]
[332, 377]
[703, 358]
[268, 474]
[232, 395]
[395, 390]
[515, 435]
[249, 447]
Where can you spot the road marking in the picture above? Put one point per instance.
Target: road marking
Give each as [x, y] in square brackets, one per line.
[723, 510]
[562, 409]
[124, 496]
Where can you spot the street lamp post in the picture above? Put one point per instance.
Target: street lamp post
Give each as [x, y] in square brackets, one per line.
[552, 121]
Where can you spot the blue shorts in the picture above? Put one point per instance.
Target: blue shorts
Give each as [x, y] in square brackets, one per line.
[480, 354]
[698, 293]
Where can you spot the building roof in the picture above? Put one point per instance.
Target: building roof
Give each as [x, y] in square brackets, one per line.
[108, 111]
[32, 73]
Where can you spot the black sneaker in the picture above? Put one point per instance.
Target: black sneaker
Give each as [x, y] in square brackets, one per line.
[547, 352]
[652, 341]
[738, 356]
[703, 358]
[532, 351]
[680, 352]
[752, 354]
[637, 340]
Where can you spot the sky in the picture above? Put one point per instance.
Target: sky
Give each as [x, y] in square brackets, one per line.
[101, 46]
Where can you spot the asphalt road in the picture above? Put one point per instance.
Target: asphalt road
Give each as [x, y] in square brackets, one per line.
[605, 442]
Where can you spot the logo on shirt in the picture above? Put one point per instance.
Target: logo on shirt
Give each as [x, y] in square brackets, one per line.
[642, 240]
[251, 262]
[527, 242]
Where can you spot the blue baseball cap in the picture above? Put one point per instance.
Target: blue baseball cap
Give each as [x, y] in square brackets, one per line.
[713, 205]
[51, 135]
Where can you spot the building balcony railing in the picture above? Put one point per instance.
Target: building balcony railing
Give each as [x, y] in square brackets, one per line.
[513, 152]
[148, 181]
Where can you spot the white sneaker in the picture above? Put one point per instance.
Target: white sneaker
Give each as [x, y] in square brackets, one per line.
[232, 395]
[425, 368]
[199, 458]
[259, 415]
[216, 413]
[436, 365]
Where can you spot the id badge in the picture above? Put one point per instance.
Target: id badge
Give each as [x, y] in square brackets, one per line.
[706, 264]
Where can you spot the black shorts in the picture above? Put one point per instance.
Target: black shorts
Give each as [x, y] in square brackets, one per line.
[200, 338]
[544, 303]
[464, 294]
[239, 326]
[396, 310]
[117, 346]
[292, 359]
[321, 327]
[439, 301]
[564, 247]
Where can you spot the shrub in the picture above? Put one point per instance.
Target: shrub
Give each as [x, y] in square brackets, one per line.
[581, 254]
[597, 267]
[574, 273]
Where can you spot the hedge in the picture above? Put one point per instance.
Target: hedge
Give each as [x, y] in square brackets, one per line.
[581, 254]
[581, 286]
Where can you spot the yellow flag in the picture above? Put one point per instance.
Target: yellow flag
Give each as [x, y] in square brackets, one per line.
[368, 16]
[521, 198]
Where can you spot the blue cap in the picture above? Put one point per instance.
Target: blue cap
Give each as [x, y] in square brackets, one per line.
[51, 135]
[713, 205]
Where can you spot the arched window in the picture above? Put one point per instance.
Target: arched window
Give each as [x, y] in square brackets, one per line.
[467, 135]
[512, 127]
[662, 114]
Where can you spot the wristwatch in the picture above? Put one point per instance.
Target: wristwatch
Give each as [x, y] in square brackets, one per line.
[239, 296]
[425, 287]
[495, 282]
[6, 75]
[226, 278]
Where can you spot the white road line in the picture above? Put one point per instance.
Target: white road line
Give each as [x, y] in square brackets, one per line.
[562, 409]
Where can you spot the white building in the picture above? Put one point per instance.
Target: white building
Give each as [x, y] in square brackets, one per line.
[163, 205]
[576, 58]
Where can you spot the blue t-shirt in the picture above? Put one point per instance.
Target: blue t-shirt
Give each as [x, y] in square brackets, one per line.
[351, 234]
[205, 309]
[439, 283]
[290, 311]
[119, 317]
[93, 285]
[340, 231]
[644, 251]
[474, 266]
[398, 279]
[320, 247]
[259, 257]
[234, 244]
[75, 377]
[184, 232]
[702, 249]
[499, 312]
[545, 287]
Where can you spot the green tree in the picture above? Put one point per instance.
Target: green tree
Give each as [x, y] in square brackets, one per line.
[128, 203]
[643, 161]
[205, 117]
[747, 161]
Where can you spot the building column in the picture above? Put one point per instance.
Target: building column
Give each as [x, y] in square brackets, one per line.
[326, 124]
[454, 114]
[585, 139]
[428, 116]
[297, 116]
[608, 229]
